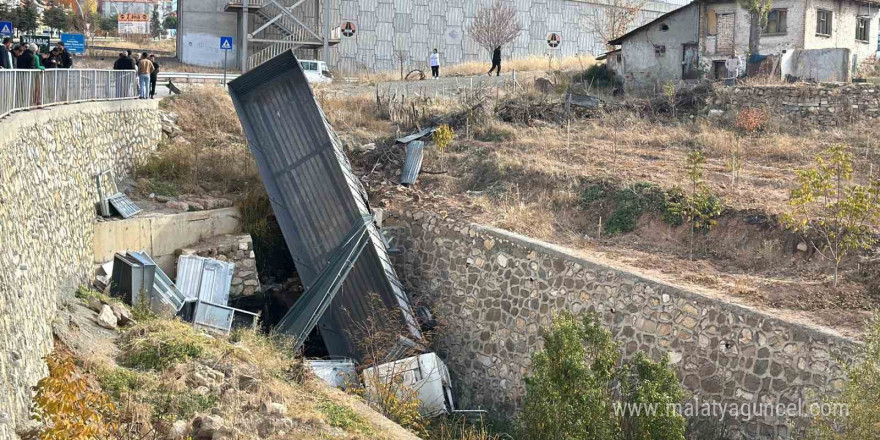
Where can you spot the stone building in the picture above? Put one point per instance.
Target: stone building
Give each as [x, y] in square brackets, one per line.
[383, 30]
[822, 40]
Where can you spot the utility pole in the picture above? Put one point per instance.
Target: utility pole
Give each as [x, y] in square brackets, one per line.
[243, 47]
[327, 31]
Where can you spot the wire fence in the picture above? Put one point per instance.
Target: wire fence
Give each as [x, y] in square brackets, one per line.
[29, 89]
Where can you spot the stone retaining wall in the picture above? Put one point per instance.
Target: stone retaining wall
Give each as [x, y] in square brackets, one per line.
[492, 291]
[819, 104]
[47, 208]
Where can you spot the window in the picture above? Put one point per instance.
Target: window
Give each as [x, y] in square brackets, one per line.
[823, 22]
[659, 50]
[776, 21]
[862, 24]
[712, 24]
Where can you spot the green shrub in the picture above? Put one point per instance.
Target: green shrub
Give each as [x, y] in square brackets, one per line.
[597, 76]
[179, 405]
[706, 207]
[629, 203]
[570, 393]
[339, 416]
[158, 345]
[117, 381]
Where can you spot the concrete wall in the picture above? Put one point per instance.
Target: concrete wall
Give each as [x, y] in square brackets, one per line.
[822, 105]
[822, 65]
[414, 27]
[162, 235]
[205, 22]
[47, 207]
[492, 291]
[843, 34]
[654, 55]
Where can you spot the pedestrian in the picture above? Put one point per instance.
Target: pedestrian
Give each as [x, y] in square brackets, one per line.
[144, 68]
[122, 63]
[66, 61]
[435, 64]
[17, 51]
[6, 59]
[154, 76]
[26, 59]
[496, 61]
[52, 60]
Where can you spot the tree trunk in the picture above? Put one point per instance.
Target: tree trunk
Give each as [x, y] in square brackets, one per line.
[754, 41]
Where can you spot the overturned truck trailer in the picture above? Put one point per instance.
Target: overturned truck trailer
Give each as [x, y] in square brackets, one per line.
[321, 206]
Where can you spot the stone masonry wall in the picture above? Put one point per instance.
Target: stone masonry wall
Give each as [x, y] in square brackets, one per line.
[234, 248]
[815, 104]
[47, 207]
[492, 291]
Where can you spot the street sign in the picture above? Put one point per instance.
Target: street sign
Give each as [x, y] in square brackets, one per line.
[554, 40]
[6, 28]
[74, 43]
[39, 40]
[348, 29]
[225, 43]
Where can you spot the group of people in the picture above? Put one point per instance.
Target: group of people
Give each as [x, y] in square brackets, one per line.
[434, 62]
[28, 56]
[147, 69]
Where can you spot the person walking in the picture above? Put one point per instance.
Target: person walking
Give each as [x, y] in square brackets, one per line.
[496, 61]
[64, 58]
[6, 58]
[154, 76]
[435, 64]
[144, 69]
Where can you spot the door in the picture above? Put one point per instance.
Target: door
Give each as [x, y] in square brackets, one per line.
[689, 61]
[719, 70]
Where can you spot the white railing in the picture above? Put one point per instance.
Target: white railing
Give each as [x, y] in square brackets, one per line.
[28, 89]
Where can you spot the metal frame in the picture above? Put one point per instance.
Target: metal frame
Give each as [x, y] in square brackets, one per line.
[30, 89]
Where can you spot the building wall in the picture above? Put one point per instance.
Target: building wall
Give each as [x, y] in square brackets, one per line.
[493, 291]
[47, 208]
[843, 29]
[654, 56]
[415, 27]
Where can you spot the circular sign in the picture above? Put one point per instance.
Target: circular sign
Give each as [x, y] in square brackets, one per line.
[348, 29]
[554, 39]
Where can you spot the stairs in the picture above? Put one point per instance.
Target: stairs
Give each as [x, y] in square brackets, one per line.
[279, 29]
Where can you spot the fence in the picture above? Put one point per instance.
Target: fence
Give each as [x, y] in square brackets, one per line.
[27, 89]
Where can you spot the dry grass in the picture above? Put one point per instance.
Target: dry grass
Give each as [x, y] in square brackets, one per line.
[532, 63]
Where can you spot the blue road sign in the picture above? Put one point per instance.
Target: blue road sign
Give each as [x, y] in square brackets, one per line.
[225, 43]
[6, 28]
[74, 43]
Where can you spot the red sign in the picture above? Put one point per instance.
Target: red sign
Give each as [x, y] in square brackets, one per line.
[554, 39]
[348, 29]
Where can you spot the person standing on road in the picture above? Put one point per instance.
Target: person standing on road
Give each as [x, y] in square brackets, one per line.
[6, 58]
[496, 61]
[435, 64]
[154, 76]
[144, 69]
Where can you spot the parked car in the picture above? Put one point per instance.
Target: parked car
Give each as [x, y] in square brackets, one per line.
[316, 71]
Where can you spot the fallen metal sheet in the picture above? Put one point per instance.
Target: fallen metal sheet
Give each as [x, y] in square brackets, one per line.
[339, 373]
[416, 136]
[163, 288]
[415, 151]
[204, 279]
[316, 197]
[123, 205]
[220, 318]
[583, 101]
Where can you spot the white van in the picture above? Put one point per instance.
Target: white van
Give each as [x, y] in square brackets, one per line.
[316, 71]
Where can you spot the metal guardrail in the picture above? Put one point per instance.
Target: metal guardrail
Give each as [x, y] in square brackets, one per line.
[188, 77]
[29, 89]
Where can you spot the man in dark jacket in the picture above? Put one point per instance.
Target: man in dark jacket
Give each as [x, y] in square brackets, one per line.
[496, 61]
[154, 76]
[26, 59]
[6, 58]
[66, 61]
[124, 62]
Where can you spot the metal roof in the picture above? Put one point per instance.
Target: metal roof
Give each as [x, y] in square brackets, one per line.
[316, 197]
[415, 151]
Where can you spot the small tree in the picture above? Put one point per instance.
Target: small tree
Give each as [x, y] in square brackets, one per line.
[170, 22]
[27, 16]
[831, 211]
[56, 17]
[758, 10]
[109, 24]
[495, 26]
[571, 393]
[155, 24]
[699, 206]
[612, 20]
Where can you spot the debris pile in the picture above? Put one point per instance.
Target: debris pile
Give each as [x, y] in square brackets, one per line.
[170, 130]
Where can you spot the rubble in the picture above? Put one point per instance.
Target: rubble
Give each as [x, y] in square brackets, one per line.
[106, 318]
[122, 314]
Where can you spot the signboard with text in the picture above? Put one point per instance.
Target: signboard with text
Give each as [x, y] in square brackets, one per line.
[40, 40]
[133, 23]
[74, 43]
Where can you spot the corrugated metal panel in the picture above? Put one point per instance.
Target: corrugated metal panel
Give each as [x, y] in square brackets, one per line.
[123, 205]
[316, 197]
[205, 279]
[415, 150]
[417, 135]
[162, 285]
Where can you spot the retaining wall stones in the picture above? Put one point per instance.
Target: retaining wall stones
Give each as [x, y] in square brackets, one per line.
[819, 104]
[492, 291]
[47, 208]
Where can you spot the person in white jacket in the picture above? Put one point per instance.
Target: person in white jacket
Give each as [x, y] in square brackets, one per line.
[434, 61]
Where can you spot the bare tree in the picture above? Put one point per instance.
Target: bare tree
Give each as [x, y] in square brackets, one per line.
[613, 19]
[401, 57]
[495, 26]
